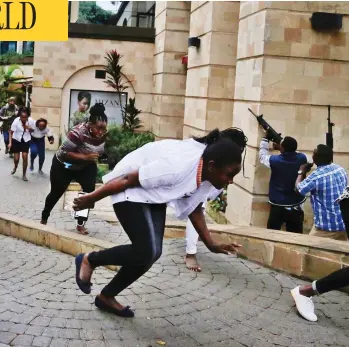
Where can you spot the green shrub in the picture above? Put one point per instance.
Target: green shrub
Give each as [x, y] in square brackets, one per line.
[220, 203]
[121, 142]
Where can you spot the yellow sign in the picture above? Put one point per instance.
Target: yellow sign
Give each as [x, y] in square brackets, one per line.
[34, 20]
[47, 84]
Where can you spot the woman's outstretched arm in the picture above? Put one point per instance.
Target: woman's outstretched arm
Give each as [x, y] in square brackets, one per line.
[114, 186]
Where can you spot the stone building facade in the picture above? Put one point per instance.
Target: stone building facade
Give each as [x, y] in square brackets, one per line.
[263, 55]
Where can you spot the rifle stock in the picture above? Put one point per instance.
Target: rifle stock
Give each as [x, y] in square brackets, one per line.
[275, 136]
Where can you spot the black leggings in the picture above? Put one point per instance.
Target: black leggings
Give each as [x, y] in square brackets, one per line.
[60, 179]
[144, 224]
[333, 281]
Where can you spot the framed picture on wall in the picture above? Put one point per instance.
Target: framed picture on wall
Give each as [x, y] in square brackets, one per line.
[81, 102]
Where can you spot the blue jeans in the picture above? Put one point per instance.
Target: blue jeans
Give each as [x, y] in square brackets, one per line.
[6, 136]
[37, 147]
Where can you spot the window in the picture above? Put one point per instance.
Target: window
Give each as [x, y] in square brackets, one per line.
[8, 46]
[28, 46]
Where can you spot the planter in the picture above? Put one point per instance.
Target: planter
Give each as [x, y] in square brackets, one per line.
[217, 216]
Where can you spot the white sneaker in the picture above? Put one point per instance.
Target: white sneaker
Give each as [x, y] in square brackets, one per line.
[305, 305]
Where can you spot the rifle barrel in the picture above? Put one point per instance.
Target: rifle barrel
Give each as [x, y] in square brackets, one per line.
[253, 113]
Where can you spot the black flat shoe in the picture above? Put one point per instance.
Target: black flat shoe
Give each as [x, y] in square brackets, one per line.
[125, 312]
[84, 286]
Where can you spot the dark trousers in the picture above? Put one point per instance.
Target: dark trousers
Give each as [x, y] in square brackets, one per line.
[344, 206]
[292, 218]
[334, 281]
[37, 147]
[144, 224]
[60, 179]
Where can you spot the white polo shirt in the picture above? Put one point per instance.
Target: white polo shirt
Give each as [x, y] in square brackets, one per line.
[167, 174]
[18, 129]
[38, 134]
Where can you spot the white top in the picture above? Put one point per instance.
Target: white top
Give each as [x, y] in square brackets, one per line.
[167, 174]
[18, 129]
[38, 134]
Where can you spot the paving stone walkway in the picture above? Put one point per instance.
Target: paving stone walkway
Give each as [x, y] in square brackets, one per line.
[232, 303]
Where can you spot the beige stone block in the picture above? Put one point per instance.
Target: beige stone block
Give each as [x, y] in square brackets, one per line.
[160, 6]
[172, 84]
[169, 127]
[201, 20]
[256, 250]
[5, 227]
[219, 114]
[15, 230]
[239, 210]
[55, 242]
[289, 258]
[249, 7]
[47, 97]
[160, 42]
[160, 22]
[198, 80]
[169, 105]
[221, 82]
[171, 63]
[158, 64]
[199, 57]
[196, 4]
[256, 178]
[176, 41]
[223, 49]
[179, 5]
[32, 236]
[225, 16]
[42, 238]
[274, 66]
[177, 20]
[70, 246]
[316, 267]
[189, 132]
[195, 113]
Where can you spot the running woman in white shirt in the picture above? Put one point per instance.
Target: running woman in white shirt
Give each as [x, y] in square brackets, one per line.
[141, 185]
[37, 143]
[20, 136]
[191, 236]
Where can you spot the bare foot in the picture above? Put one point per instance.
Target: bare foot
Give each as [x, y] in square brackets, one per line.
[111, 302]
[81, 229]
[14, 170]
[192, 263]
[43, 222]
[25, 179]
[86, 270]
[83, 202]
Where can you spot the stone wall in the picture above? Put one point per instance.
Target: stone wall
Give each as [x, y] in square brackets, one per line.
[211, 68]
[290, 73]
[169, 80]
[55, 63]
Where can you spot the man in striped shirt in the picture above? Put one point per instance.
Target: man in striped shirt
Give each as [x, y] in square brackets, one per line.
[325, 185]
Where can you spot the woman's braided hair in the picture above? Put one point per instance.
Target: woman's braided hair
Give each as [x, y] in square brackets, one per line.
[97, 114]
[234, 134]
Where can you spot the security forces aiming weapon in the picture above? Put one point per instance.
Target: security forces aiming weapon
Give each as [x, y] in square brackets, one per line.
[274, 136]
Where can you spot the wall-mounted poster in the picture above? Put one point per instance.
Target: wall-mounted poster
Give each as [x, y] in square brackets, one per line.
[81, 102]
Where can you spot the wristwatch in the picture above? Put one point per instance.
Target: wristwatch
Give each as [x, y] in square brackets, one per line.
[300, 172]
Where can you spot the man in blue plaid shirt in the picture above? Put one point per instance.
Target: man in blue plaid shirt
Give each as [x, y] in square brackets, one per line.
[325, 185]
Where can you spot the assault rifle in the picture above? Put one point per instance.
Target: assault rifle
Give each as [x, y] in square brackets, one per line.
[274, 136]
[329, 134]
